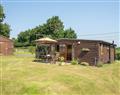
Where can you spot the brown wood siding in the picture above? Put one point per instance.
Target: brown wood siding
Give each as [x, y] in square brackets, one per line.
[112, 54]
[87, 56]
[99, 50]
[90, 56]
[104, 53]
[63, 51]
[108, 54]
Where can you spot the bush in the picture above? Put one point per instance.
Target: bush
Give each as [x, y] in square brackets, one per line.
[118, 56]
[99, 64]
[17, 44]
[31, 49]
[74, 62]
[117, 53]
[84, 63]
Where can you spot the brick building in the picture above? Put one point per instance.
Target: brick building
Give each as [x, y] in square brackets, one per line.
[6, 46]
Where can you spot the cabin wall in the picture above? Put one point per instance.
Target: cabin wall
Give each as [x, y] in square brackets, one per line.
[98, 52]
[112, 56]
[106, 53]
[63, 48]
[90, 56]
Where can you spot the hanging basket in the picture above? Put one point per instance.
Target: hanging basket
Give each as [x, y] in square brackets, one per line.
[85, 49]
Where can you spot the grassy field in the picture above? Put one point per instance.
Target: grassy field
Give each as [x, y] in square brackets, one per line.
[21, 76]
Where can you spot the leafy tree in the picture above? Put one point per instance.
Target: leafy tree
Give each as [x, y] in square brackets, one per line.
[4, 28]
[60, 34]
[118, 53]
[41, 31]
[16, 43]
[54, 25]
[70, 33]
[53, 28]
[22, 37]
[2, 15]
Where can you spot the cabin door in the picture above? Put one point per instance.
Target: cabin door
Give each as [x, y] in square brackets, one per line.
[69, 52]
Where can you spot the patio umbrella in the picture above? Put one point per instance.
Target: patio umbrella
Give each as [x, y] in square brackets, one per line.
[46, 40]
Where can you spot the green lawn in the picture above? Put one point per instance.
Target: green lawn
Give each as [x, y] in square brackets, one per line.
[22, 76]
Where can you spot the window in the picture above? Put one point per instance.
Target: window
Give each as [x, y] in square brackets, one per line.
[62, 47]
[57, 48]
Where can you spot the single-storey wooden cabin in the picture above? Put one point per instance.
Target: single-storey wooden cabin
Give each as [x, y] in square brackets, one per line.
[91, 51]
[6, 46]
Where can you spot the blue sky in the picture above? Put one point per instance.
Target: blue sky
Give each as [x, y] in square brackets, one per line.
[86, 17]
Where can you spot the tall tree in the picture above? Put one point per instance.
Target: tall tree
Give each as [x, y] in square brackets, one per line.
[54, 25]
[53, 28]
[2, 15]
[70, 33]
[4, 27]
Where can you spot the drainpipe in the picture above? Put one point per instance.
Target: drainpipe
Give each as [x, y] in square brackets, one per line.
[114, 53]
[109, 53]
[114, 48]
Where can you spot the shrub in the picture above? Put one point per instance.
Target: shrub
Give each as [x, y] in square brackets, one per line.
[99, 64]
[74, 62]
[31, 49]
[84, 63]
[118, 56]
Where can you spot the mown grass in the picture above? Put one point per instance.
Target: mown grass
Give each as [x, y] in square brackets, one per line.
[22, 76]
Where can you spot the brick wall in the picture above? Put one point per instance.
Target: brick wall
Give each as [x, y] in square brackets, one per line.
[6, 46]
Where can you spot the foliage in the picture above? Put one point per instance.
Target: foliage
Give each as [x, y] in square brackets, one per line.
[118, 53]
[118, 56]
[70, 33]
[53, 28]
[2, 15]
[99, 64]
[31, 49]
[84, 63]
[4, 27]
[74, 62]
[19, 44]
[54, 25]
